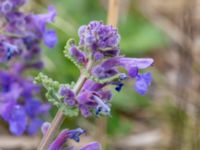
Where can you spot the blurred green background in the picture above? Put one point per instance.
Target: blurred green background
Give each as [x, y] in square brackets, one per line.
[168, 31]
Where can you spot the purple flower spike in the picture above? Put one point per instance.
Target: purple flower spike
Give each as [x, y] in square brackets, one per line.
[92, 146]
[142, 83]
[64, 136]
[22, 34]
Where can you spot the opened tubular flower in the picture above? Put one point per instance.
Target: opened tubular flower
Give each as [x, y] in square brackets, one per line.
[92, 98]
[61, 140]
[110, 67]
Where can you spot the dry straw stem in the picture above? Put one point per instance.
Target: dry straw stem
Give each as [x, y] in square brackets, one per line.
[113, 10]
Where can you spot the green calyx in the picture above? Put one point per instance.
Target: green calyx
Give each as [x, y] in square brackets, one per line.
[71, 58]
[53, 95]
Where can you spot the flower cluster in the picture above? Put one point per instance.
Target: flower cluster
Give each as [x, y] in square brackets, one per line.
[99, 44]
[98, 57]
[20, 37]
[65, 135]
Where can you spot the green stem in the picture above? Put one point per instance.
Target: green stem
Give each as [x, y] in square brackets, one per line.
[58, 119]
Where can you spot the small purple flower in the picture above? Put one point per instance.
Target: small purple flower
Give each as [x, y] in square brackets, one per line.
[64, 136]
[79, 55]
[93, 97]
[68, 94]
[109, 68]
[17, 120]
[50, 38]
[142, 83]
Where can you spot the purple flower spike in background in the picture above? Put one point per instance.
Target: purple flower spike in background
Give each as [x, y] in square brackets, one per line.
[17, 104]
[20, 52]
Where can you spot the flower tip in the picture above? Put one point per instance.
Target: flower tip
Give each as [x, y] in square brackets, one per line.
[52, 12]
[45, 126]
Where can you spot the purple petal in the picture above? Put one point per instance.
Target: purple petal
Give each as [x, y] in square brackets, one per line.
[92, 86]
[34, 126]
[18, 120]
[32, 106]
[92, 146]
[85, 111]
[140, 63]
[59, 141]
[132, 72]
[6, 6]
[42, 19]
[66, 92]
[142, 83]
[85, 98]
[50, 38]
[64, 136]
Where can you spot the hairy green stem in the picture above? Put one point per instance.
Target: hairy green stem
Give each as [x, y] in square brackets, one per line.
[58, 119]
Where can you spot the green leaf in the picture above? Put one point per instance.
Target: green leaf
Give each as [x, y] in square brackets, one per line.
[69, 111]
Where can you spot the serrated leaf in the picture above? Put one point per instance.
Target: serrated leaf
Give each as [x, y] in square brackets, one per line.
[70, 111]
